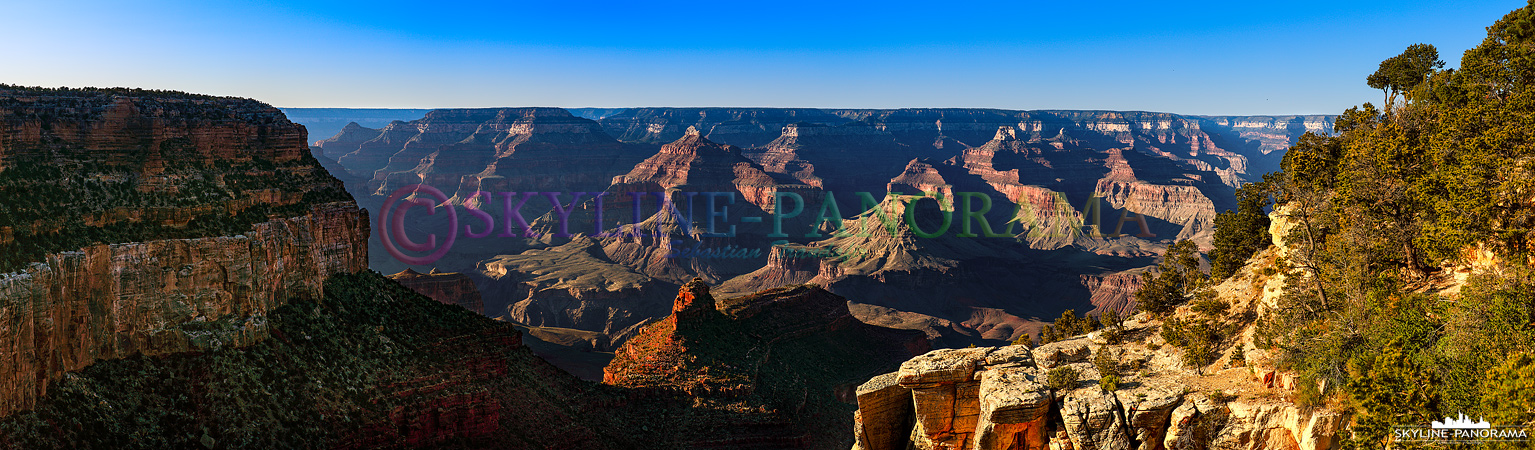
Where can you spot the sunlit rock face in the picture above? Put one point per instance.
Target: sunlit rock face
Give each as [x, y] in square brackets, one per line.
[151, 222]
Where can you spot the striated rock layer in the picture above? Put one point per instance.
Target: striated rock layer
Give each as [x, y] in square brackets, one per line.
[168, 296]
[153, 222]
[450, 288]
[996, 399]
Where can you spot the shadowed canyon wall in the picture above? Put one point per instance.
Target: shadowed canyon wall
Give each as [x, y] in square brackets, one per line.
[152, 222]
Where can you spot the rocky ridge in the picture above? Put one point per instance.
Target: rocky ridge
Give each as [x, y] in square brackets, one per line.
[1001, 398]
[151, 223]
[783, 360]
[451, 288]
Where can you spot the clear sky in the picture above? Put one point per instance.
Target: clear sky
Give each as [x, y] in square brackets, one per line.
[1228, 57]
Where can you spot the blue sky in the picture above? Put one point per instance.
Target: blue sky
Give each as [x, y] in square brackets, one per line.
[1192, 58]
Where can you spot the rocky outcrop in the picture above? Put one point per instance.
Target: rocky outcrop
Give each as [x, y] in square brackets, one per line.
[953, 399]
[348, 140]
[571, 286]
[666, 353]
[450, 288]
[785, 360]
[1159, 401]
[167, 296]
[995, 398]
[152, 222]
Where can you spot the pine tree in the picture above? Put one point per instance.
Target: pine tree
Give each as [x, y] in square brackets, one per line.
[1240, 234]
[1176, 279]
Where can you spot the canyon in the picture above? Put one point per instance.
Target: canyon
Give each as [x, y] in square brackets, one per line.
[1009, 397]
[192, 261]
[1083, 198]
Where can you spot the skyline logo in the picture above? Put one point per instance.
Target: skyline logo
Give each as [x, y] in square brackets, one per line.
[1461, 423]
[1461, 430]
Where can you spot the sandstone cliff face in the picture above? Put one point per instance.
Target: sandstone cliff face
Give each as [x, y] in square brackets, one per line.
[996, 398]
[148, 222]
[939, 400]
[80, 167]
[169, 296]
[450, 288]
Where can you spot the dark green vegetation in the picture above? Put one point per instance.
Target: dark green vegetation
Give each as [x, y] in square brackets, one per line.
[1062, 378]
[339, 372]
[1383, 212]
[1176, 280]
[1241, 233]
[1069, 325]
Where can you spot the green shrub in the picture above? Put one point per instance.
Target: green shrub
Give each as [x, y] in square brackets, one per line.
[1105, 362]
[1109, 383]
[1062, 378]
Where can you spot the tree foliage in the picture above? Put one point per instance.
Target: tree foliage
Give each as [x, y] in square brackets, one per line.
[1440, 176]
[1173, 282]
[1240, 233]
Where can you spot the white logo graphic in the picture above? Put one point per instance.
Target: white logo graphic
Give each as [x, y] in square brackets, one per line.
[1460, 423]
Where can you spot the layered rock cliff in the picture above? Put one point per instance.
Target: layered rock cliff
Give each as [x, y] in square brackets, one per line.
[1055, 396]
[1060, 183]
[783, 360]
[1000, 398]
[461, 151]
[151, 222]
[450, 288]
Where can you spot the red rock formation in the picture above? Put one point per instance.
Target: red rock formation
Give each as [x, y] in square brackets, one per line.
[111, 301]
[693, 302]
[1114, 291]
[451, 288]
[693, 349]
[182, 263]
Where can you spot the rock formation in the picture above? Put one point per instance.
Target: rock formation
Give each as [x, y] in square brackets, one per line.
[348, 140]
[450, 288]
[940, 400]
[996, 398]
[572, 286]
[148, 223]
[785, 358]
[461, 151]
[1061, 183]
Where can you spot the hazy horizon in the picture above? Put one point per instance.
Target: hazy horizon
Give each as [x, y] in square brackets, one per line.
[1211, 58]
